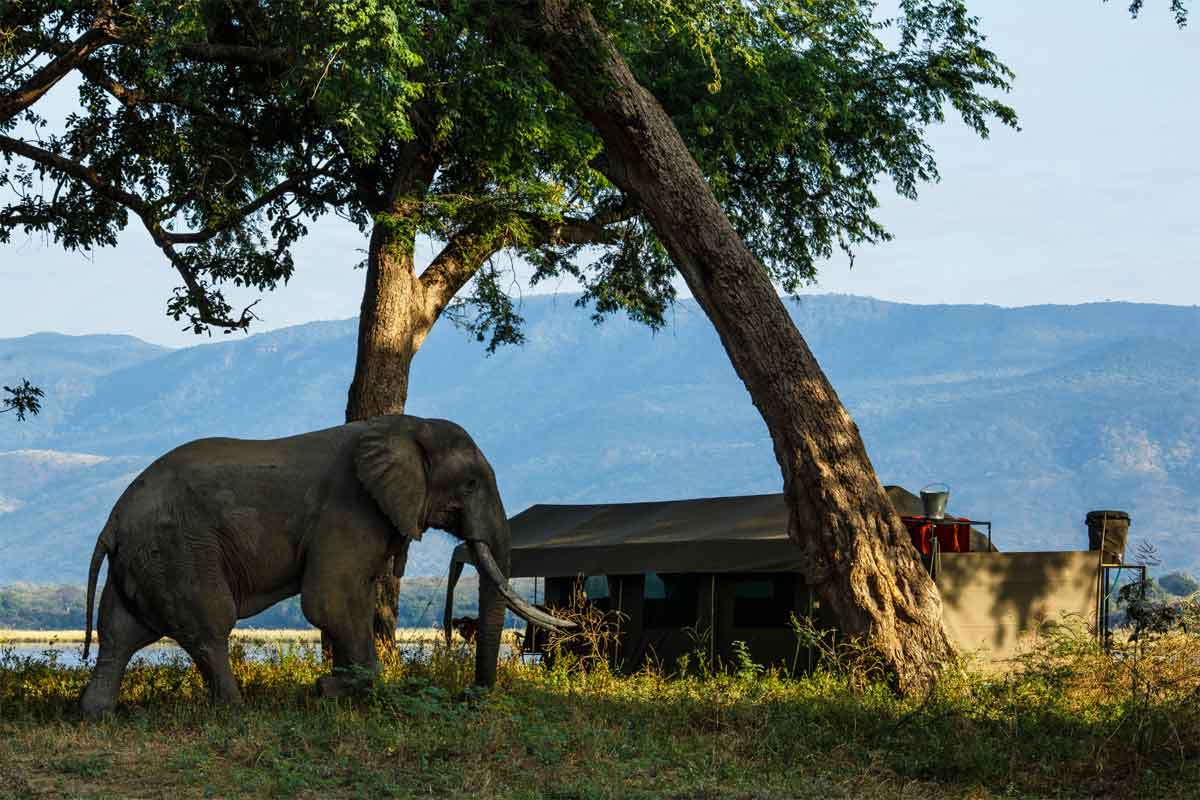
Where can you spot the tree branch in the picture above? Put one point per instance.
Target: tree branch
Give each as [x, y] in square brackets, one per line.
[451, 268]
[214, 53]
[11, 219]
[292, 184]
[626, 210]
[124, 95]
[104, 32]
[42, 81]
[420, 164]
[367, 177]
[466, 252]
[74, 170]
[576, 231]
[196, 292]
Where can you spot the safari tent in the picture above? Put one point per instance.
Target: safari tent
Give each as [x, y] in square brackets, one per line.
[699, 575]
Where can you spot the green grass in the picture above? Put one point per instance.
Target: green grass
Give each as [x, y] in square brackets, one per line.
[1067, 722]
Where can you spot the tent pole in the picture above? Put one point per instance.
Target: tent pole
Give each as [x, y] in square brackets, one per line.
[812, 622]
[712, 622]
[617, 618]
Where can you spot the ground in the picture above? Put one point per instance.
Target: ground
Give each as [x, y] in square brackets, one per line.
[1069, 722]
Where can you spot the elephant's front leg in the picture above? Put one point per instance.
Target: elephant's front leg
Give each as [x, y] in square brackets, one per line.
[343, 610]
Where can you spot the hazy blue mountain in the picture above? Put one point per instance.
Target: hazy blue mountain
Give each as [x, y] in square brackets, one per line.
[66, 368]
[1032, 415]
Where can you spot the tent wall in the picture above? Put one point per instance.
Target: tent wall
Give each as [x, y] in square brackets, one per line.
[766, 630]
[719, 618]
[664, 644]
[993, 604]
[558, 592]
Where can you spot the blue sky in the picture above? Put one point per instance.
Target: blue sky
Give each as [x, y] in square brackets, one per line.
[1096, 198]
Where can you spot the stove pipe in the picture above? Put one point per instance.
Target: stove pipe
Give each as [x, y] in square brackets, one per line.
[1107, 531]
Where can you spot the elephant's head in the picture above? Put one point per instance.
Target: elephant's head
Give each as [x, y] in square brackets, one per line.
[429, 474]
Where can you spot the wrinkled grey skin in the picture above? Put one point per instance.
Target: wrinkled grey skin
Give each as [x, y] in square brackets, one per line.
[220, 529]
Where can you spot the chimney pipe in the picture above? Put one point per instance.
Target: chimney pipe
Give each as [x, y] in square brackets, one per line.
[1107, 531]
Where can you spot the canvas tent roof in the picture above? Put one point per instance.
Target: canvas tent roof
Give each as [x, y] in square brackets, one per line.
[717, 534]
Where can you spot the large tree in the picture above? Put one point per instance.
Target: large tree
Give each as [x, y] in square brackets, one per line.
[223, 127]
[857, 552]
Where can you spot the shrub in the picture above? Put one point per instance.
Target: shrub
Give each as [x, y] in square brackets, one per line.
[1180, 584]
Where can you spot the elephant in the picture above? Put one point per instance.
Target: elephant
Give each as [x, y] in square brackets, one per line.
[220, 529]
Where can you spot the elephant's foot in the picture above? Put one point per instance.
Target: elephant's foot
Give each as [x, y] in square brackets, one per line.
[346, 681]
[92, 706]
[99, 698]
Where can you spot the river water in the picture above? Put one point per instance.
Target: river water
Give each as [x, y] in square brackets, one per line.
[71, 655]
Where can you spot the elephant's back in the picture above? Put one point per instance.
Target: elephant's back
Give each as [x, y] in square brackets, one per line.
[226, 458]
[312, 445]
[240, 483]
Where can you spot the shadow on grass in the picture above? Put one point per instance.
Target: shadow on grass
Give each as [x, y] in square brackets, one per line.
[1069, 721]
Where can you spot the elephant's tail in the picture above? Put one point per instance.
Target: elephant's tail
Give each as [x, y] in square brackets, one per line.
[102, 550]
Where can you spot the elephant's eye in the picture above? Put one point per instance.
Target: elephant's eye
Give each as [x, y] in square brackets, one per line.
[470, 486]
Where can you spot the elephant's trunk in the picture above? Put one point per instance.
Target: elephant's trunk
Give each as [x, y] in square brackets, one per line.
[490, 540]
[490, 568]
[495, 595]
[491, 617]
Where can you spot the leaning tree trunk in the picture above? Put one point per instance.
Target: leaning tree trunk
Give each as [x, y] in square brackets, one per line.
[857, 553]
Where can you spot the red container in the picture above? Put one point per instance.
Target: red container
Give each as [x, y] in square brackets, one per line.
[953, 534]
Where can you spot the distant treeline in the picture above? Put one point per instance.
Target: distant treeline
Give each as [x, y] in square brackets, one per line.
[26, 606]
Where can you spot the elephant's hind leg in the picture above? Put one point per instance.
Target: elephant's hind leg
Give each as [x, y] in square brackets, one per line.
[212, 659]
[121, 635]
[204, 634]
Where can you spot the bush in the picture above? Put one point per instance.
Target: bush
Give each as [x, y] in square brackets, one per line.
[1180, 584]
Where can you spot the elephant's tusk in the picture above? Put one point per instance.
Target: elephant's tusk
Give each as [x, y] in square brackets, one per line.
[485, 562]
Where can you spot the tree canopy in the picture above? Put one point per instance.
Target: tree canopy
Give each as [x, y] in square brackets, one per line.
[1180, 584]
[226, 128]
[1178, 10]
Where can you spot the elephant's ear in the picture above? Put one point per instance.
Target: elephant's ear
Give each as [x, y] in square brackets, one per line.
[394, 468]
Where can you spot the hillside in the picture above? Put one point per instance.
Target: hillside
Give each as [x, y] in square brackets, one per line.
[1032, 415]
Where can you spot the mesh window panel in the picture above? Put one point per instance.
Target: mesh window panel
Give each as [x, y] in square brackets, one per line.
[670, 600]
[595, 591]
[595, 587]
[763, 601]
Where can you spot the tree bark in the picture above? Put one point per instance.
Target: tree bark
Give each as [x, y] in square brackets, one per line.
[390, 329]
[857, 553]
[399, 308]
[389, 333]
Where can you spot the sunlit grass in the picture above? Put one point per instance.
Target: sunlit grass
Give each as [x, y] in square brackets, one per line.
[1067, 721]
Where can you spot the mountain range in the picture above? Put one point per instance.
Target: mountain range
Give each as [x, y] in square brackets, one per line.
[1032, 415]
